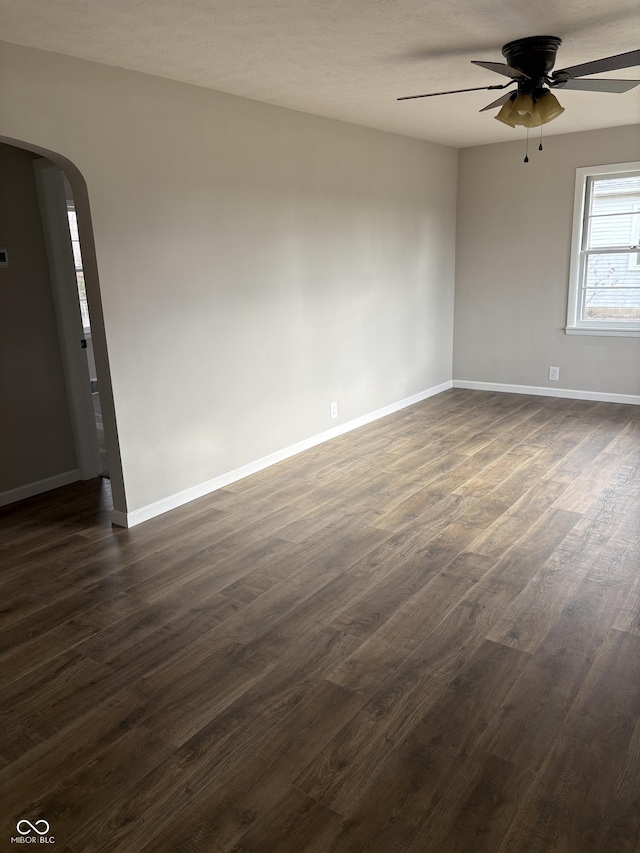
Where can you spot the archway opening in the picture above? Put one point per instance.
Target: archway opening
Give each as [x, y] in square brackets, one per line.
[50, 381]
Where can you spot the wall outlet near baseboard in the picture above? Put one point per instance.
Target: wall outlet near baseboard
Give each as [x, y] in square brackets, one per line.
[554, 374]
[334, 410]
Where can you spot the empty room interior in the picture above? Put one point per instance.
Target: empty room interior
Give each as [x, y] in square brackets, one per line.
[320, 426]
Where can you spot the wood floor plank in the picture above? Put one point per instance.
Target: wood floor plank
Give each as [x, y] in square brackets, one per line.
[627, 440]
[420, 768]
[419, 636]
[583, 454]
[578, 497]
[72, 802]
[378, 657]
[529, 617]
[337, 776]
[221, 807]
[616, 564]
[365, 617]
[221, 564]
[148, 638]
[505, 532]
[25, 651]
[188, 697]
[589, 780]
[55, 759]
[479, 807]
[615, 503]
[37, 705]
[619, 565]
[295, 823]
[425, 504]
[524, 559]
[628, 527]
[526, 727]
[396, 638]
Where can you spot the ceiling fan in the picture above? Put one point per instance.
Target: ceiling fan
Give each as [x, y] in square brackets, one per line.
[529, 65]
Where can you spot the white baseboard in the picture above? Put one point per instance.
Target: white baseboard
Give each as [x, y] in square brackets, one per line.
[130, 519]
[598, 396]
[31, 489]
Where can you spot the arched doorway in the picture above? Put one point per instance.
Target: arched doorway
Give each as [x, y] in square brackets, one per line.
[56, 180]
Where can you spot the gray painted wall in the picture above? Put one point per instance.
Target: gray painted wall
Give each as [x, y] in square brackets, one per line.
[255, 263]
[36, 441]
[512, 266]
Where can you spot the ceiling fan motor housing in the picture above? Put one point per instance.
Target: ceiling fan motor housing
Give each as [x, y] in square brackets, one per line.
[534, 56]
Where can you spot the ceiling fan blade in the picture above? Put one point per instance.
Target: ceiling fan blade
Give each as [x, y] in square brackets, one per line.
[609, 63]
[599, 85]
[501, 100]
[501, 68]
[451, 92]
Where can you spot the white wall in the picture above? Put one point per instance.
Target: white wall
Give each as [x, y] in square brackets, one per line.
[36, 441]
[255, 263]
[512, 266]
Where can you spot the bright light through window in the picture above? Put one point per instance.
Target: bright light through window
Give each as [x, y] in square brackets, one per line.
[77, 259]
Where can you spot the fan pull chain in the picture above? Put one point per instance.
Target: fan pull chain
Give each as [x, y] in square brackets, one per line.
[526, 150]
[540, 146]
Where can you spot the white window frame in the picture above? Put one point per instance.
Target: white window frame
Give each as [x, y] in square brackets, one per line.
[576, 325]
[634, 260]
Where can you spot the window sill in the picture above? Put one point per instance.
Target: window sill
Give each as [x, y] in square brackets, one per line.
[611, 333]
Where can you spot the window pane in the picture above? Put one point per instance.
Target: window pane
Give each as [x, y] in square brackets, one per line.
[614, 195]
[618, 230]
[77, 258]
[622, 306]
[73, 223]
[612, 287]
[84, 308]
[612, 270]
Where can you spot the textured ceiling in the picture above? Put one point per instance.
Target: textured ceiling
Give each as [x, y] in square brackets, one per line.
[350, 59]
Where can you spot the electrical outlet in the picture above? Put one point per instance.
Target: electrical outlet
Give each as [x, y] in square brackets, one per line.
[334, 410]
[554, 374]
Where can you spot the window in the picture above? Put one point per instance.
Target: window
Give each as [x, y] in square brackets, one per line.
[77, 258]
[604, 290]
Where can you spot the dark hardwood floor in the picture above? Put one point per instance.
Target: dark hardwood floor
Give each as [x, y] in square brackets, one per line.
[421, 637]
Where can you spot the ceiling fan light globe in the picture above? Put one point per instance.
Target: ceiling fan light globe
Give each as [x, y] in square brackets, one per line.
[535, 119]
[555, 115]
[505, 114]
[522, 107]
[549, 107]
